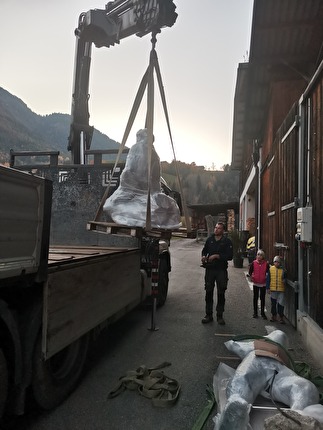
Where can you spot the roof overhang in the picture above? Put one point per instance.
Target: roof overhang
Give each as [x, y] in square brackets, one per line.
[286, 44]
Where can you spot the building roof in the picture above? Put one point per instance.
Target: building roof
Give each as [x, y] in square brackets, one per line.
[286, 43]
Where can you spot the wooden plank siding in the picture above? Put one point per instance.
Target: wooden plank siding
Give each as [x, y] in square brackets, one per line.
[280, 197]
[278, 192]
[279, 180]
[315, 257]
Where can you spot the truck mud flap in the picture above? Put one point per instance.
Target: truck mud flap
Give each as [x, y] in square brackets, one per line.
[3, 383]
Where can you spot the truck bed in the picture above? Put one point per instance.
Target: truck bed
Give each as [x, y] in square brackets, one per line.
[86, 286]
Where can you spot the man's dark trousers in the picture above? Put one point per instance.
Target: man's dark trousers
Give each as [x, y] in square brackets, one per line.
[220, 277]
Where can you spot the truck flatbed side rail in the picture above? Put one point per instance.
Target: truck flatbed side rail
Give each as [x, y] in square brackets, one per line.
[59, 255]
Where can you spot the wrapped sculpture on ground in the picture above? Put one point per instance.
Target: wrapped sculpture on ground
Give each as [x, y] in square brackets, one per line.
[265, 369]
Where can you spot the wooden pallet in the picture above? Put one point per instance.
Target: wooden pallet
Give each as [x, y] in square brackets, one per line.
[111, 228]
[124, 230]
[182, 232]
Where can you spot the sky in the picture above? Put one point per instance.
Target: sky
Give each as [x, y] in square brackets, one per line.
[198, 58]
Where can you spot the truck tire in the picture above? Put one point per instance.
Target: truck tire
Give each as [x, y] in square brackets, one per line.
[3, 382]
[162, 282]
[54, 379]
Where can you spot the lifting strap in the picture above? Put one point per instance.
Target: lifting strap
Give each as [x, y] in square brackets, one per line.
[147, 81]
[130, 122]
[151, 383]
[163, 99]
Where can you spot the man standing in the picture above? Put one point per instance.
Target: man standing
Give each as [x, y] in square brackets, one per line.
[216, 253]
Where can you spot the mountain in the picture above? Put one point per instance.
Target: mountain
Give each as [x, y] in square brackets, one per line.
[23, 130]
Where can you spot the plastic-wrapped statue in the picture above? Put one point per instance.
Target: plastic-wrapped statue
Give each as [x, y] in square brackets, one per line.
[262, 370]
[128, 204]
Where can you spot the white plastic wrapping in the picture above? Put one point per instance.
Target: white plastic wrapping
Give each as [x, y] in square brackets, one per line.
[314, 411]
[293, 390]
[254, 375]
[128, 204]
[221, 379]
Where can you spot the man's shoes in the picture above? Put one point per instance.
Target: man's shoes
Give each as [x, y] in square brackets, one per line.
[263, 316]
[220, 320]
[254, 316]
[207, 319]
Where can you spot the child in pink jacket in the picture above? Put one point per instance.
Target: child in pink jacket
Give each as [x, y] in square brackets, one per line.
[258, 270]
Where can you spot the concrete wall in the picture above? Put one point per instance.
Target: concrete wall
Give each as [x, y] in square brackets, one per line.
[311, 333]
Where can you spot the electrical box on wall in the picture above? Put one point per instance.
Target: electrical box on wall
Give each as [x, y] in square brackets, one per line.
[304, 224]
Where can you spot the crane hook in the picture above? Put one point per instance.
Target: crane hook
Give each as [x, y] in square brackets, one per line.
[154, 38]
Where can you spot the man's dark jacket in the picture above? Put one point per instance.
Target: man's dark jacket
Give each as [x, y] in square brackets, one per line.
[223, 247]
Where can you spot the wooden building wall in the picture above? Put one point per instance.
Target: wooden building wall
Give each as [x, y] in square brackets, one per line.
[279, 180]
[279, 104]
[280, 198]
[279, 187]
[315, 252]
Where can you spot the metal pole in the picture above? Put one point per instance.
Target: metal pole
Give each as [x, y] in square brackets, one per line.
[153, 316]
[154, 284]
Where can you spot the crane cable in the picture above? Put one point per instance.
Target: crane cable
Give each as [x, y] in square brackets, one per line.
[147, 81]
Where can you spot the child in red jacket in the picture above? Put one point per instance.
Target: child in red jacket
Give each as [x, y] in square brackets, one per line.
[258, 270]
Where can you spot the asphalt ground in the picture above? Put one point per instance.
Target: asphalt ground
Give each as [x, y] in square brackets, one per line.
[193, 349]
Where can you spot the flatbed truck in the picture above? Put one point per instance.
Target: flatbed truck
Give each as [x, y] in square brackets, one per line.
[60, 282]
[54, 298]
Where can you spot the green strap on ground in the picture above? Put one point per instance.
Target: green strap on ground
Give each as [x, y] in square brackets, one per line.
[151, 383]
[206, 411]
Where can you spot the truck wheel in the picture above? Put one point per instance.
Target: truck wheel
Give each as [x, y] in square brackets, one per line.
[54, 379]
[162, 282]
[3, 382]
